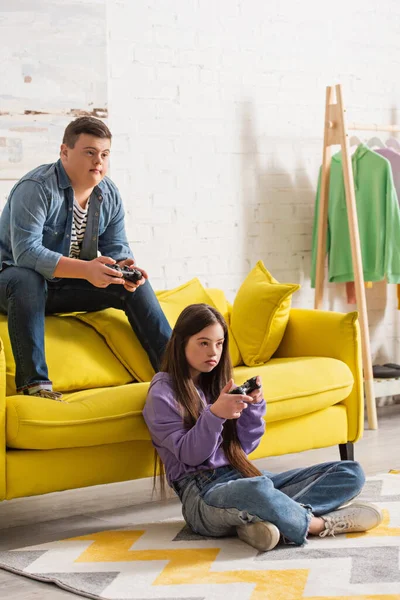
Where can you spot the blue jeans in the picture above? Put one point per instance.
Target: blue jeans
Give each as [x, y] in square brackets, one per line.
[215, 502]
[26, 296]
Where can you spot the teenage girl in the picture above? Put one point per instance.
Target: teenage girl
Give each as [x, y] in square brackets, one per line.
[203, 435]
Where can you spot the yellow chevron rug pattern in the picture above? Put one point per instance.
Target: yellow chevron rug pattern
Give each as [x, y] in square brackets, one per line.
[166, 560]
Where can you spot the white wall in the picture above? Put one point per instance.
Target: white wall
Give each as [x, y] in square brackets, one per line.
[53, 67]
[217, 112]
[217, 107]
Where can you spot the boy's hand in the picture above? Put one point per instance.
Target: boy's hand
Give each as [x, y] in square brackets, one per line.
[230, 406]
[100, 275]
[130, 264]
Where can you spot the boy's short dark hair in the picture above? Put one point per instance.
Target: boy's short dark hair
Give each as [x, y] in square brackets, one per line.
[88, 125]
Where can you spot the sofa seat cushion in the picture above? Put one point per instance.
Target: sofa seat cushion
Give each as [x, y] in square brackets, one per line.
[292, 387]
[298, 386]
[86, 418]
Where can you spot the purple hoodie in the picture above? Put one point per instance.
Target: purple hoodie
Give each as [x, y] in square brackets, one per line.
[184, 451]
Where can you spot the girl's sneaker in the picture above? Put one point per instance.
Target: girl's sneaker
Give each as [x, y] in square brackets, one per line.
[358, 516]
[262, 535]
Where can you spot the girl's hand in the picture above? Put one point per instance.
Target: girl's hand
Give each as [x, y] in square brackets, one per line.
[257, 395]
[230, 406]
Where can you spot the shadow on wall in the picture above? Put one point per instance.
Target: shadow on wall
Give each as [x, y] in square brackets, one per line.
[277, 209]
[277, 220]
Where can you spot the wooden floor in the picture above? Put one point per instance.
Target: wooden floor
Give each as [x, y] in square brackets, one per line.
[378, 452]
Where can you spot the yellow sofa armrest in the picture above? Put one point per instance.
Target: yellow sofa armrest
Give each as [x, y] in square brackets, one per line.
[334, 335]
[2, 422]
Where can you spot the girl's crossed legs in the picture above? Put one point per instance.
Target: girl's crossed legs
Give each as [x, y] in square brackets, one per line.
[218, 501]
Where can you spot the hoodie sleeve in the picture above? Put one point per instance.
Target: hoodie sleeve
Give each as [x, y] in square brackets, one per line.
[251, 426]
[165, 422]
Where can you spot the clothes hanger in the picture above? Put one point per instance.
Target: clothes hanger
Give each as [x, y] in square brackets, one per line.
[375, 142]
[354, 142]
[393, 144]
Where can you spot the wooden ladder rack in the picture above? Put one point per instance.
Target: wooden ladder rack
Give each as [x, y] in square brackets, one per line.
[335, 132]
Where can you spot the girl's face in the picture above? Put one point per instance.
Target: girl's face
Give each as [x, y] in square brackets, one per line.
[203, 350]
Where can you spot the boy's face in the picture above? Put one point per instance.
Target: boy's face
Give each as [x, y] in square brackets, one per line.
[87, 162]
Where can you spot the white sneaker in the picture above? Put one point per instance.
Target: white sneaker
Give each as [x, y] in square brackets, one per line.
[262, 535]
[48, 394]
[345, 504]
[358, 516]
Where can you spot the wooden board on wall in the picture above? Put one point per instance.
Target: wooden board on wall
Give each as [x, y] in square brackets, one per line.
[53, 68]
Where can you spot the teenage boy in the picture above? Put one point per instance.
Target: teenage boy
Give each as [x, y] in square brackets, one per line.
[60, 231]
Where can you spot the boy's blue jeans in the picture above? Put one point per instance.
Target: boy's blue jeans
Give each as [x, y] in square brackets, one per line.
[215, 502]
[26, 296]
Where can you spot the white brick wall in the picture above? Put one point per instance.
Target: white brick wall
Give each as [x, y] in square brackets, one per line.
[53, 65]
[217, 107]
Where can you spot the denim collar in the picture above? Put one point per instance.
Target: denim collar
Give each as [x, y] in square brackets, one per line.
[64, 181]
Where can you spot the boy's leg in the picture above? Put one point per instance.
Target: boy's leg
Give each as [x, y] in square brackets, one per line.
[23, 299]
[148, 321]
[141, 307]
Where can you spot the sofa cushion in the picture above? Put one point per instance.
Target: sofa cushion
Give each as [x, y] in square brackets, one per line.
[299, 386]
[174, 301]
[86, 418]
[114, 326]
[77, 357]
[260, 314]
[292, 387]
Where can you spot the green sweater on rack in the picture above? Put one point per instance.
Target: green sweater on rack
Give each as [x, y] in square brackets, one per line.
[378, 220]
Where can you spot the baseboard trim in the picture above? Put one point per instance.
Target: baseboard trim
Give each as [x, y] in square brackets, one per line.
[57, 505]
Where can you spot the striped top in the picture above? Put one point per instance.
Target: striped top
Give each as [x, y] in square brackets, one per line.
[78, 229]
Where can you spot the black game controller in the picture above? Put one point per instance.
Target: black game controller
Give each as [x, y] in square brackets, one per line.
[131, 275]
[248, 386]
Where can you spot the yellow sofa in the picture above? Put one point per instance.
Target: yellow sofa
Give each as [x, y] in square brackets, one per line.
[312, 385]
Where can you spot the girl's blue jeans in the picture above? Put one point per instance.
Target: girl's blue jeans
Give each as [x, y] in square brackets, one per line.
[215, 502]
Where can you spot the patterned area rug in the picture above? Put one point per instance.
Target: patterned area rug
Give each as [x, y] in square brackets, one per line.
[167, 561]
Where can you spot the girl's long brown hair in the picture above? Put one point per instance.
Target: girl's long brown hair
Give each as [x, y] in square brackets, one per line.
[192, 320]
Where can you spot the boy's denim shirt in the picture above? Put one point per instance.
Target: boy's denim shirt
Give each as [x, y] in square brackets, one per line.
[36, 223]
